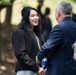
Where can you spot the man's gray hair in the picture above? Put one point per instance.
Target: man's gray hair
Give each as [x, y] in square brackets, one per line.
[65, 7]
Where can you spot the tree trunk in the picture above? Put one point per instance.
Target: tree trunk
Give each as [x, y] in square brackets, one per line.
[8, 15]
[0, 40]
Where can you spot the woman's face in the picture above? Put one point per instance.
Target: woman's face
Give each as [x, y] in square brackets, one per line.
[33, 18]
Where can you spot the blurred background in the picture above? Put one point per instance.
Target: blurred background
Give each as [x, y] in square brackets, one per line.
[10, 17]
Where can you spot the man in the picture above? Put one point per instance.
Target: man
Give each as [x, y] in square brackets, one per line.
[46, 24]
[40, 4]
[58, 48]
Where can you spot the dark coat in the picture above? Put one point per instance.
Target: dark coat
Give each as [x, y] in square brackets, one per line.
[25, 49]
[46, 27]
[59, 49]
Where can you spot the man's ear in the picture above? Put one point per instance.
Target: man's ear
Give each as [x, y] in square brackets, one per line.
[59, 13]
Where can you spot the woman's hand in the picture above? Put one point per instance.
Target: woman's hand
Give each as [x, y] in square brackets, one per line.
[41, 71]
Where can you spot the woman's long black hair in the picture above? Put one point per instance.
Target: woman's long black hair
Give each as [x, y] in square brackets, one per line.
[25, 24]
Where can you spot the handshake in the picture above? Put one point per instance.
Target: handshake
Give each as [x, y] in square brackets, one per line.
[42, 70]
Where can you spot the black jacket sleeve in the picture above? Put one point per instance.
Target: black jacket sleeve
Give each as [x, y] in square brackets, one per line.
[19, 44]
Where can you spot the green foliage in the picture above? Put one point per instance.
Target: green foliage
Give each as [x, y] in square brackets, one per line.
[5, 2]
[72, 1]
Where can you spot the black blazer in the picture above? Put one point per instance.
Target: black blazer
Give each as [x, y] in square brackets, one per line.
[25, 49]
[59, 48]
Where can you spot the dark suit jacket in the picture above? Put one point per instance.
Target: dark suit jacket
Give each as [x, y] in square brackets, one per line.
[25, 49]
[59, 49]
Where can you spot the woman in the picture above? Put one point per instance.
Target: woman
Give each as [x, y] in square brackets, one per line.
[26, 43]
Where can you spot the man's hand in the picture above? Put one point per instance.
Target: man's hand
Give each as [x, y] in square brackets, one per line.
[37, 61]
